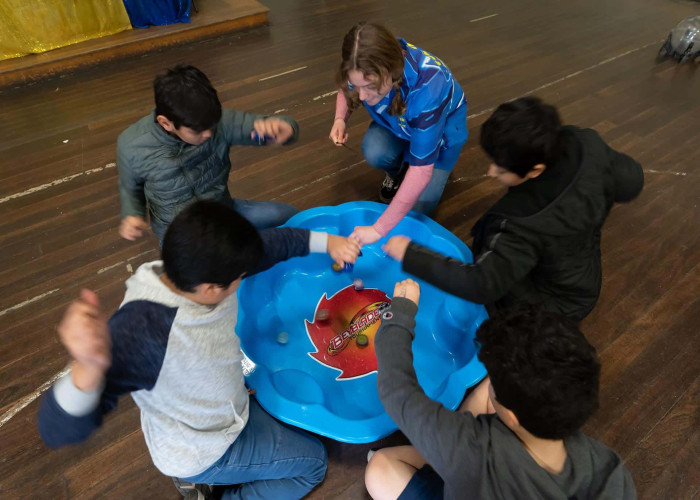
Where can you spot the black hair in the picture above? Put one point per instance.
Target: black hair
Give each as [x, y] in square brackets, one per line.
[209, 242]
[185, 96]
[521, 134]
[542, 368]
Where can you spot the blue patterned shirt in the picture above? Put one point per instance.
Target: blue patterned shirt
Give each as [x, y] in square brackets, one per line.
[435, 115]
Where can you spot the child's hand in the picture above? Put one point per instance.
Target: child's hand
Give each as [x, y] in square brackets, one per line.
[408, 289]
[343, 250]
[396, 247]
[85, 334]
[132, 227]
[365, 235]
[338, 134]
[275, 130]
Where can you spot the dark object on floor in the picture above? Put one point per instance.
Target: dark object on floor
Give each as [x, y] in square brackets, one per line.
[391, 185]
[683, 43]
[191, 491]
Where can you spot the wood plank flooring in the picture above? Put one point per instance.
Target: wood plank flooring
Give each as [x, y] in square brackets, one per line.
[595, 60]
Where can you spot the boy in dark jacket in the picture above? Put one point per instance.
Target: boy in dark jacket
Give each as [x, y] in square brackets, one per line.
[180, 153]
[172, 345]
[540, 243]
[519, 435]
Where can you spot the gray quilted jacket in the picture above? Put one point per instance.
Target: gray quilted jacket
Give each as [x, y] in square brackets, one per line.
[162, 172]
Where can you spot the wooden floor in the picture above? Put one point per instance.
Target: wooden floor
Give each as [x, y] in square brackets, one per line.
[595, 59]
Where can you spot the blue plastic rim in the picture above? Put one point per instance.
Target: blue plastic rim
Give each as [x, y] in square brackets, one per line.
[295, 387]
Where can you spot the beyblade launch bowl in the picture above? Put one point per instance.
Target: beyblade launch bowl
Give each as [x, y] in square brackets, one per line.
[323, 376]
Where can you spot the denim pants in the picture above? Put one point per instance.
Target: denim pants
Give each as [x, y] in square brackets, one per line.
[383, 150]
[262, 214]
[268, 460]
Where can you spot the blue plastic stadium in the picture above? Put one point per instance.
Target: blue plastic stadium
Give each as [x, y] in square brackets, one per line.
[300, 389]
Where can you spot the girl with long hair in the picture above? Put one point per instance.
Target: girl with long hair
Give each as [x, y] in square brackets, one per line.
[420, 120]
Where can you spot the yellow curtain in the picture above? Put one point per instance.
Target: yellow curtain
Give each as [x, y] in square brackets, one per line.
[34, 26]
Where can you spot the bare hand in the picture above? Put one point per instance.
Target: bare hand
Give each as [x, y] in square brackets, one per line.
[408, 289]
[275, 130]
[338, 134]
[396, 247]
[85, 334]
[132, 227]
[342, 249]
[365, 235]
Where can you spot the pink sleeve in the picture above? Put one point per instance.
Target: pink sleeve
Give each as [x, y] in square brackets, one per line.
[341, 107]
[413, 185]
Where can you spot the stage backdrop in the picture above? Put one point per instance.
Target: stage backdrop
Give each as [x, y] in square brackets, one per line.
[35, 26]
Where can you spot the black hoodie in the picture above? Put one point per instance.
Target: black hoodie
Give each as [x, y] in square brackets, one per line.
[540, 243]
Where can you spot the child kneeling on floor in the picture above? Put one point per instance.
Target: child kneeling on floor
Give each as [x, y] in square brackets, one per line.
[172, 345]
[518, 435]
[540, 243]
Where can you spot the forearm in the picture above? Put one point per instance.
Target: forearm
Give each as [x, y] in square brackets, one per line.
[133, 200]
[451, 275]
[342, 110]
[238, 127]
[433, 429]
[68, 415]
[413, 185]
[396, 378]
[280, 244]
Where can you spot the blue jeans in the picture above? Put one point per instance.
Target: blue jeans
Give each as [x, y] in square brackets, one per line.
[383, 150]
[262, 214]
[268, 459]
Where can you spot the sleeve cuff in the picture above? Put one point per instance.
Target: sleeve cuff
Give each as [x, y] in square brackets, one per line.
[380, 229]
[401, 314]
[318, 242]
[404, 306]
[74, 401]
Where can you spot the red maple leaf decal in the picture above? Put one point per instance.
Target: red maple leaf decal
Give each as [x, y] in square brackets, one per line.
[351, 314]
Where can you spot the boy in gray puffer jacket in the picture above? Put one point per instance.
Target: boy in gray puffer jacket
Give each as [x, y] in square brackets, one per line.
[180, 153]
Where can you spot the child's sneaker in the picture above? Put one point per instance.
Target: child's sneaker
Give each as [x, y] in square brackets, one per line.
[191, 491]
[389, 188]
[391, 185]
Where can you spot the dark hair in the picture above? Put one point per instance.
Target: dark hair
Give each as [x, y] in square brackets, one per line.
[209, 242]
[521, 134]
[542, 368]
[372, 50]
[185, 96]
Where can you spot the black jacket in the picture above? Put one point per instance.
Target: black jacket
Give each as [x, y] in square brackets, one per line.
[541, 242]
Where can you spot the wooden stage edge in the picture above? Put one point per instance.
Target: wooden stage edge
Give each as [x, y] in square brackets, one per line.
[137, 41]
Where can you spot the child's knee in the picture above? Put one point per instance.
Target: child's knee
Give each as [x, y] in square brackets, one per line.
[319, 463]
[376, 151]
[376, 471]
[373, 153]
